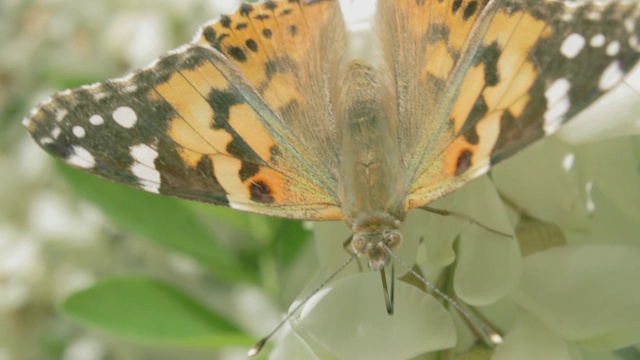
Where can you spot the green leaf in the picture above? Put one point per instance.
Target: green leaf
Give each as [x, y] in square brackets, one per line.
[160, 218]
[237, 220]
[146, 310]
[290, 240]
[488, 265]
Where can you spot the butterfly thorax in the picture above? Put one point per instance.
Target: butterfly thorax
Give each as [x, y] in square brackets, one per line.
[370, 188]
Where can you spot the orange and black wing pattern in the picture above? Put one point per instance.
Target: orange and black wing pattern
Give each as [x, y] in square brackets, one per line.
[223, 119]
[478, 80]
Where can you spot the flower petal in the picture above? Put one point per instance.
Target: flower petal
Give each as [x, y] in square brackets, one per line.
[488, 264]
[349, 321]
[612, 167]
[585, 293]
[530, 340]
[543, 180]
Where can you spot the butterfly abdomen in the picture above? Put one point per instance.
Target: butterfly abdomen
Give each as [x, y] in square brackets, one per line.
[369, 152]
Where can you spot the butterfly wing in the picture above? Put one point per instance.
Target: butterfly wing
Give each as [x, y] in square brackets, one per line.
[221, 120]
[498, 75]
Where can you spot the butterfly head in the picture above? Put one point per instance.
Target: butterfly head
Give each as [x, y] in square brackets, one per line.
[370, 235]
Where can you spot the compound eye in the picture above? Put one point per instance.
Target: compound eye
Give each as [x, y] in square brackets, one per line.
[392, 237]
[359, 243]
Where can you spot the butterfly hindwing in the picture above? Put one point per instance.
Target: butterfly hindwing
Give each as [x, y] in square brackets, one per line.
[523, 69]
[200, 125]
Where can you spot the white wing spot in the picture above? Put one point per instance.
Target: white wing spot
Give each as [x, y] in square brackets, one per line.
[79, 131]
[613, 48]
[630, 25]
[597, 40]
[130, 88]
[144, 168]
[611, 76]
[594, 15]
[557, 91]
[46, 140]
[61, 114]
[126, 79]
[126, 83]
[81, 157]
[481, 168]
[26, 122]
[99, 95]
[125, 117]
[566, 17]
[56, 132]
[572, 45]
[557, 104]
[553, 117]
[96, 120]
[144, 154]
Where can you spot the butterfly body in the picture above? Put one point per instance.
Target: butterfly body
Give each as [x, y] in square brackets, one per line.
[370, 190]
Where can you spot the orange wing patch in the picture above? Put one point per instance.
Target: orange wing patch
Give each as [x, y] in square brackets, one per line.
[463, 155]
[516, 35]
[461, 20]
[441, 62]
[256, 35]
[259, 184]
[501, 79]
[249, 185]
[244, 120]
[191, 127]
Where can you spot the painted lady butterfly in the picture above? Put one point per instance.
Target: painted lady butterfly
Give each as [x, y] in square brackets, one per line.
[262, 111]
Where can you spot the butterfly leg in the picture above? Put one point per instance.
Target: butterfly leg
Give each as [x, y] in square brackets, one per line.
[346, 245]
[513, 205]
[465, 217]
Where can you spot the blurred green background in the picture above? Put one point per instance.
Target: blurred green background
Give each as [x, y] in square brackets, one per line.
[161, 271]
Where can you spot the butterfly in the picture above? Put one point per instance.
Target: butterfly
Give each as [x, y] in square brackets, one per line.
[264, 112]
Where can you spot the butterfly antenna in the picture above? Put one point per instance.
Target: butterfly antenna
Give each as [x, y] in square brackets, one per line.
[388, 299]
[489, 335]
[255, 349]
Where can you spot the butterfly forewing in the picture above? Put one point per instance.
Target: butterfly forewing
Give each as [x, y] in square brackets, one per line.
[221, 120]
[508, 73]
